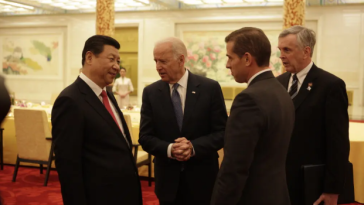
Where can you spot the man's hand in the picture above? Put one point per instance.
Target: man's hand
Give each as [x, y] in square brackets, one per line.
[328, 199]
[182, 149]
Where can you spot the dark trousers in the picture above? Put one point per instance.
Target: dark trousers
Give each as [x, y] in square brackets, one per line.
[183, 195]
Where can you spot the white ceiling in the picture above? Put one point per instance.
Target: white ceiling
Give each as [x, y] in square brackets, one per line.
[18, 7]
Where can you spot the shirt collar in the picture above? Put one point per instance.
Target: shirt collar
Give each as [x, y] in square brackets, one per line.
[97, 90]
[302, 74]
[258, 73]
[183, 81]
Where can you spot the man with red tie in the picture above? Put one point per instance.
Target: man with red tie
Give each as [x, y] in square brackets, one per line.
[92, 141]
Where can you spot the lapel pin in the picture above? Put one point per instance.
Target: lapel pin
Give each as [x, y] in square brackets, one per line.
[193, 92]
[309, 86]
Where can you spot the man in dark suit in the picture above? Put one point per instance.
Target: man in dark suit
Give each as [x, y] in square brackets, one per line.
[92, 141]
[258, 130]
[320, 135]
[182, 124]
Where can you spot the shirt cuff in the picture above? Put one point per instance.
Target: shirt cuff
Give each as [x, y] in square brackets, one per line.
[193, 150]
[169, 151]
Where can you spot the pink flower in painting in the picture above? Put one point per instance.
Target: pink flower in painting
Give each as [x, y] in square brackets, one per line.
[195, 57]
[208, 64]
[213, 56]
[217, 49]
[208, 49]
[205, 59]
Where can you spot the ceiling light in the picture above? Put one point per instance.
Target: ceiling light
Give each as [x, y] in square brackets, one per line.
[192, 2]
[16, 4]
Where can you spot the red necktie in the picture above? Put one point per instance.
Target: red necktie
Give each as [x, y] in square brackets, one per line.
[105, 100]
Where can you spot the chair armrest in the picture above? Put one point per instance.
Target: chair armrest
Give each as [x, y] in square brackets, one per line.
[48, 138]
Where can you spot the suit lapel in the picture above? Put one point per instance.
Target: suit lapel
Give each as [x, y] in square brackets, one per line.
[304, 91]
[96, 103]
[192, 94]
[166, 102]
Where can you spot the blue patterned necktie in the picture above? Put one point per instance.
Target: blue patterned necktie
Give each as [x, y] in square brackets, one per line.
[177, 104]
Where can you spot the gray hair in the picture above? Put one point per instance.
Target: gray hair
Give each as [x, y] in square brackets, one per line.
[305, 36]
[178, 47]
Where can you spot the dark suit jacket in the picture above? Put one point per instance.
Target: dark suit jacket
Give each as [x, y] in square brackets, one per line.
[256, 143]
[4, 100]
[203, 124]
[320, 135]
[94, 162]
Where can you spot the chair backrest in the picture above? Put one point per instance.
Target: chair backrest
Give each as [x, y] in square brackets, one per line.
[130, 126]
[31, 130]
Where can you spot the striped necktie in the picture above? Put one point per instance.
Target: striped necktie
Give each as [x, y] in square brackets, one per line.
[294, 86]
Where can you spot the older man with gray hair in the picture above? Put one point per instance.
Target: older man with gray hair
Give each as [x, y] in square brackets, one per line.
[320, 135]
[183, 119]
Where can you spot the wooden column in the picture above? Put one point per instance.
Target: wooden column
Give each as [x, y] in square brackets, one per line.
[105, 17]
[294, 13]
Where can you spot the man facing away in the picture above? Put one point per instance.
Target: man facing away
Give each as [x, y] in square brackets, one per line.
[321, 131]
[92, 141]
[182, 124]
[258, 129]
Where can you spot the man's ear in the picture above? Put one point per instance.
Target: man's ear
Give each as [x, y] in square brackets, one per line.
[307, 52]
[88, 57]
[247, 58]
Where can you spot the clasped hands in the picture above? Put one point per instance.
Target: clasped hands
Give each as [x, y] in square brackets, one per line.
[182, 149]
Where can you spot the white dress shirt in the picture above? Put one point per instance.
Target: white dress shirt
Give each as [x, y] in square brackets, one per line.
[97, 90]
[258, 73]
[182, 90]
[300, 76]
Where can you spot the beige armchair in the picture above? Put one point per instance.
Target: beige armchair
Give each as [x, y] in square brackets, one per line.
[141, 157]
[33, 138]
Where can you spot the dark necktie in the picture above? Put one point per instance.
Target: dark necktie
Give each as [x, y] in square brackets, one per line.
[176, 100]
[294, 86]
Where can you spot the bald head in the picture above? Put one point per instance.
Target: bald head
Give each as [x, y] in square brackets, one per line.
[178, 47]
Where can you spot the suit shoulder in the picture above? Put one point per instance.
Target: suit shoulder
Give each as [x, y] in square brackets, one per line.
[154, 85]
[71, 91]
[328, 77]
